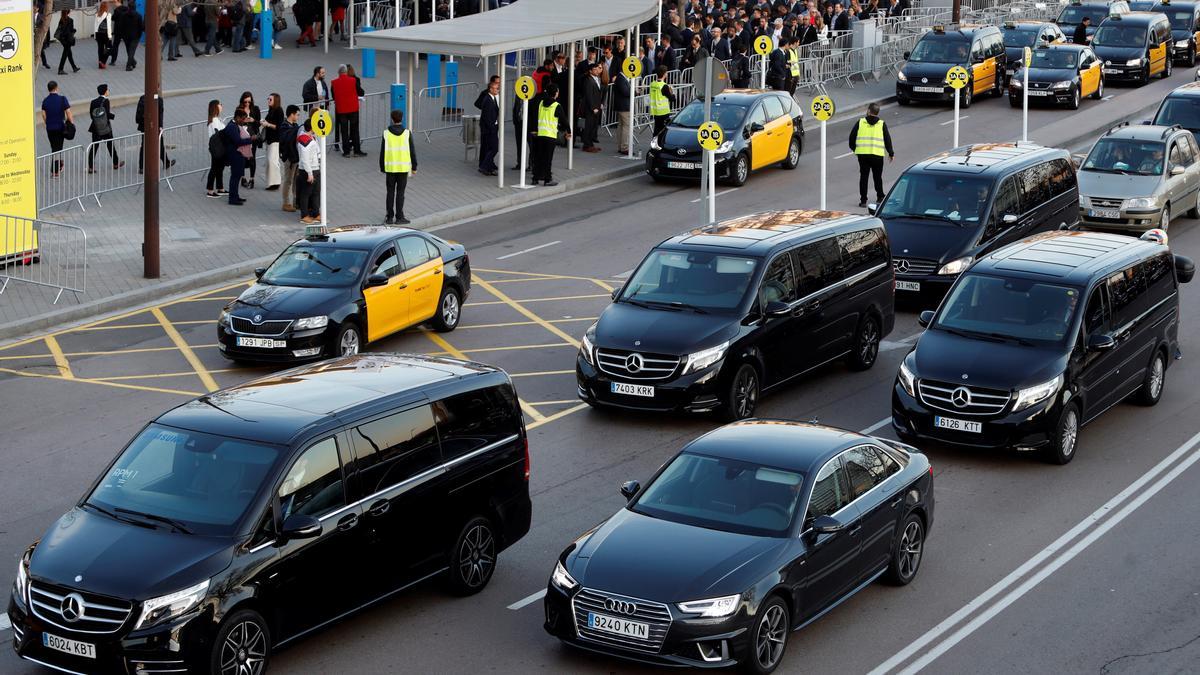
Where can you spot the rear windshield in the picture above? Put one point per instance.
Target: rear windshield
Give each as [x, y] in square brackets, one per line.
[691, 280]
[1110, 35]
[1184, 111]
[1008, 310]
[1075, 13]
[1126, 156]
[940, 50]
[953, 200]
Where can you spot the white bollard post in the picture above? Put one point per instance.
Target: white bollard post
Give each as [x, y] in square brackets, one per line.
[712, 186]
[632, 112]
[324, 180]
[956, 96]
[1025, 109]
[823, 165]
[523, 149]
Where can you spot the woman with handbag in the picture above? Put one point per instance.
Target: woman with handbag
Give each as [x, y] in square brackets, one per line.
[255, 128]
[104, 29]
[65, 34]
[271, 124]
[170, 34]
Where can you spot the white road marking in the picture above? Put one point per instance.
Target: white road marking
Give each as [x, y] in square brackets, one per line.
[844, 155]
[719, 194]
[529, 600]
[623, 275]
[527, 250]
[876, 427]
[951, 121]
[1040, 562]
[4, 623]
[1108, 98]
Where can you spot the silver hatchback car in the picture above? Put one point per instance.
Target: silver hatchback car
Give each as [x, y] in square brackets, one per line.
[1136, 177]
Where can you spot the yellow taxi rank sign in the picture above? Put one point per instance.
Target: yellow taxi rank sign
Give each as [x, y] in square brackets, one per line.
[322, 123]
[822, 107]
[525, 87]
[957, 77]
[710, 135]
[764, 45]
[631, 66]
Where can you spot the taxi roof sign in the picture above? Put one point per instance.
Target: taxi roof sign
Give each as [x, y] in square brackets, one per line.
[939, 28]
[1010, 24]
[316, 231]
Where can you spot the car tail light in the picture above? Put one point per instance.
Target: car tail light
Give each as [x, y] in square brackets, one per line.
[526, 439]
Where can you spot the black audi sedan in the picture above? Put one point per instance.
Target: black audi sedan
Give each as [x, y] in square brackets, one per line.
[330, 294]
[761, 128]
[247, 518]
[751, 531]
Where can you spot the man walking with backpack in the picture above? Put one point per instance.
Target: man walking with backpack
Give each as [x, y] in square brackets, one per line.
[739, 70]
[102, 116]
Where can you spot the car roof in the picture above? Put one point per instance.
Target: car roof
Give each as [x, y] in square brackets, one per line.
[1026, 23]
[760, 233]
[1185, 91]
[986, 158]
[275, 408]
[365, 237]
[1135, 18]
[1066, 256]
[1063, 47]
[784, 444]
[742, 96]
[1185, 4]
[1144, 132]
[964, 31]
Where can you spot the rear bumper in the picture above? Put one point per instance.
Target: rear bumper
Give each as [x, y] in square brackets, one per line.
[907, 90]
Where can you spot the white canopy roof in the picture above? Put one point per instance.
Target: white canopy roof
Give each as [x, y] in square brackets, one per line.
[527, 24]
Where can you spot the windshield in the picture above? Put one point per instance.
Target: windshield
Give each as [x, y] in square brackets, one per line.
[1181, 19]
[319, 266]
[728, 115]
[690, 279]
[1054, 58]
[1021, 310]
[200, 482]
[1120, 36]
[1120, 155]
[951, 199]
[1020, 37]
[723, 494]
[940, 51]
[1182, 111]
[1073, 15]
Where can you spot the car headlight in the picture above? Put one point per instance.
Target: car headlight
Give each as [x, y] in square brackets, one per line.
[562, 579]
[725, 147]
[1181, 44]
[1065, 84]
[901, 76]
[586, 350]
[654, 144]
[166, 607]
[1016, 82]
[312, 322]
[705, 358]
[907, 380]
[1134, 62]
[956, 266]
[1142, 203]
[1085, 201]
[21, 585]
[223, 320]
[1037, 393]
[712, 607]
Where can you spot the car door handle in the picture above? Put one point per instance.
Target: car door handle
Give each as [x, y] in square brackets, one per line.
[813, 306]
[896, 501]
[347, 522]
[402, 287]
[379, 508]
[854, 529]
[437, 271]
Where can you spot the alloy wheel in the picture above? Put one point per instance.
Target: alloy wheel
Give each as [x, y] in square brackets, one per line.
[794, 154]
[349, 344]
[910, 549]
[1156, 377]
[772, 637]
[743, 169]
[1165, 221]
[1070, 431]
[244, 651]
[450, 310]
[745, 393]
[868, 347]
[477, 556]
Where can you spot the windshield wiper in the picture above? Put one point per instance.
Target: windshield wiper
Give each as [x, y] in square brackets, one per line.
[685, 305]
[970, 334]
[161, 519]
[112, 515]
[332, 270]
[1010, 338]
[926, 216]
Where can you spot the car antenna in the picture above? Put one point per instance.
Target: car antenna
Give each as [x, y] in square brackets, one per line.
[208, 401]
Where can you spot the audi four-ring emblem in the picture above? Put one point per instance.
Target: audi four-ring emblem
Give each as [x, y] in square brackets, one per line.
[620, 606]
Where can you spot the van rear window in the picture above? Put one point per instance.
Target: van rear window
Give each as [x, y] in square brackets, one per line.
[476, 419]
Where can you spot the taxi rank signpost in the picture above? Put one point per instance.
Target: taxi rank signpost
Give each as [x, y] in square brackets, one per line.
[823, 109]
[322, 124]
[525, 88]
[714, 78]
[957, 78]
[1028, 59]
[763, 46]
[632, 67]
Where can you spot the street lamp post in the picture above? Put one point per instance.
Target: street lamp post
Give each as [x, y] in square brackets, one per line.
[150, 145]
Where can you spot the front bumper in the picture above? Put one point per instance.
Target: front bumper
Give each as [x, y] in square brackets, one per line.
[682, 393]
[931, 288]
[659, 164]
[1041, 96]
[909, 90]
[1128, 219]
[304, 341]
[1028, 429]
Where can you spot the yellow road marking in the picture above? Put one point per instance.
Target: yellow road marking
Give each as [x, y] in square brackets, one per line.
[492, 289]
[527, 312]
[458, 354]
[148, 325]
[537, 403]
[556, 416]
[528, 323]
[60, 360]
[159, 390]
[541, 275]
[209, 383]
[516, 347]
[151, 376]
[543, 372]
[139, 350]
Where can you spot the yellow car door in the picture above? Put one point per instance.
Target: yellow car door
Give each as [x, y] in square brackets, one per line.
[1089, 79]
[762, 146]
[387, 305]
[983, 75]
[779, 128]
[423, 277]
[1158, 59]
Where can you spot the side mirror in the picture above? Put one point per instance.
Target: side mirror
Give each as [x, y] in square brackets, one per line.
[925, 318]
[776, 309]
[908, 54]
[377, 279]
[872, 208]
[1147, 122]
[1185, 269]
[1009, 219]
[1100, 343]
[259, 271]
[629, 489]
[300, 526]
[755, 127]
[827, 525]
[1177, 170]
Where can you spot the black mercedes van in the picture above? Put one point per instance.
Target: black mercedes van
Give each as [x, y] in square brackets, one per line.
[251, 516]
[946, 211]
[1040, 338]
[713, 317]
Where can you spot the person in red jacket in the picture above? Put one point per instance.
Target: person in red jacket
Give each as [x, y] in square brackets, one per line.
[345, 97]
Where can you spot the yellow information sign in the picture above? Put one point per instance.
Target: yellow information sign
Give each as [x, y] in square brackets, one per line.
[822, 107]
[711, 136]
[18, 182]
[1028, 56]
[764, 45]
[631, 66]
[525, 87]
[322, 123]
[957, 77]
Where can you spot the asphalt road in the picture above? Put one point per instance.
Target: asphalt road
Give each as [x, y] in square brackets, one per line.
[1029, 567]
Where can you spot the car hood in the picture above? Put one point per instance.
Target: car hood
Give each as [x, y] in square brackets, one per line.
[996, 365]
[285, 302]
[1179, 34]
[683, 137]
[626, 326]
[1116, 186]
[1014, 54]
[934, 72]
[910, 238]
[124, 560]
[1118, 55]
[655, 559]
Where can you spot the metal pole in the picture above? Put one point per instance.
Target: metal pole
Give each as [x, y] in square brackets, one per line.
[410, 93]
[500, 132]
[660, 8]
[150, 144]
[823, 165]
[765, 59]
[570, 105]
[632, 111]
[524, 135]
[325, 37]
[705, 170]
[452, 17]
[956, 15]
[416, 22]
[956, 95]
[324, 180]
[1025, 109]
[352, 24]
[397, 21]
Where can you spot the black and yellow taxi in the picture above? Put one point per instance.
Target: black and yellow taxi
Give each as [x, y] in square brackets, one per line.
[1135, 46]
[761, 128]
[1032, 34]
[1094, 10]
[1059, 74]
[1185, 28]
[979, 49]
[335, 290]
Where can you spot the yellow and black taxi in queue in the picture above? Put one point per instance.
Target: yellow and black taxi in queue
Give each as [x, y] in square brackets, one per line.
[1097, 10]
[1185, 28]
[1060, 75]
[761, 128]
[1135, 47]
[979, 49]
[1021, 34]
[334, 291]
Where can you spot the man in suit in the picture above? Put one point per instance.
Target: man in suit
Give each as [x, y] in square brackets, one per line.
[619, 55]
[841, 18]
[665, 54]
[315, 91]
[139, 117]
[100, 112]
[591, 101]
[129, 30]
[488, 103]
[720, 46]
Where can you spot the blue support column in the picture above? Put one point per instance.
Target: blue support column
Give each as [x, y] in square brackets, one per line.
[266, 33]
[140, 6]
[399, 98]
[451, 90]
[434, 71]
[368, 56]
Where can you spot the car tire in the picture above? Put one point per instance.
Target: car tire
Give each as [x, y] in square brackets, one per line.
[742, 396]
[903, 101]
[999, 90]
[907, 551]
[741, 171]
[1064, 440]
[1153, 383]
[449, 310]
[1014, 101]
[242, 644]
[1194, 212]
[472, 558]
[793, 157]
[1164, 218]
[1168, 67]
[348, 341]
[767, 641]
[968, 94]
[1191, 57]
[1145, 78]
[1099, 93]
[866, 344]
[1073, 104]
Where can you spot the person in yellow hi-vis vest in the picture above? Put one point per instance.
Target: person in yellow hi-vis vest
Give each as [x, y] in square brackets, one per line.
[661, 100]
[870, 141]
[793, 56]
[551, 118]
[397, 161]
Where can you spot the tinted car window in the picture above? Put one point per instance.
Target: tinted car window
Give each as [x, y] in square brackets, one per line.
[317, 266]
[779, 283]
[830, 492]
[1160, 278]
[1007, 202]
[1095, 317]
[313, 485]
[728, 115]
[467, 422]
[1035, 185]
[862, 250]
[1176, 155]
[700, 279]
[1120, 155]
[413, 251]
[1010, 309]
[1116, 35]
[867, 467]
[940, 50]
[387, 262]
[757, 116]
[395, 448]
[774, 107]
[1062, 177]
[819, 265]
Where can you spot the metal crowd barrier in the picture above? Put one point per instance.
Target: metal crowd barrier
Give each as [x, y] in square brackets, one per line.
[43, 253]
[441, 108]
[112, 164]
[61, 177]
[374, 115]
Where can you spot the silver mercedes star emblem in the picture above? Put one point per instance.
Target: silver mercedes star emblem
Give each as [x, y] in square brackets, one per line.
[72, 607]
[960, 397]
[901, 265]
[637, 343]
[620, 606]
[257, 319]
[924, 80]
[634, 363]
[681, 152]
[78, 578]
[964, 376]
